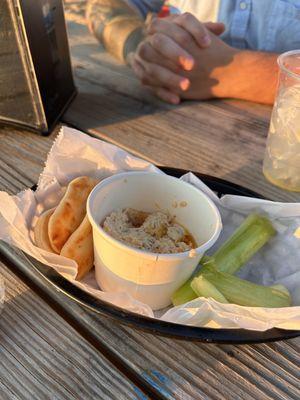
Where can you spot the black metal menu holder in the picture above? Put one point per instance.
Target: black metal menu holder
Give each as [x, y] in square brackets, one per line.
[35, 69]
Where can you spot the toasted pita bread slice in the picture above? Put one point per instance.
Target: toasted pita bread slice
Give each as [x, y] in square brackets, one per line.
[70, 212]
[40, 231]
[79, 247]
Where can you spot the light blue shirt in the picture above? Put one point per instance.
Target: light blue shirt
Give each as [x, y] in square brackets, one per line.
[267, 25]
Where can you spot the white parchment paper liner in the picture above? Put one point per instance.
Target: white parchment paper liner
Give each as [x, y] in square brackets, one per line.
[75, 154]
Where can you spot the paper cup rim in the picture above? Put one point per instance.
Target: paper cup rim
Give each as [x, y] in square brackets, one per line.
[148, 254]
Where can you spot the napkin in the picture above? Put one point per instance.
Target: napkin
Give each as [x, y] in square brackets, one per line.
[75, 154]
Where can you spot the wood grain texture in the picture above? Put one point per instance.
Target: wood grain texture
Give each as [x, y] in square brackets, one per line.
[22, 156]
[42, 357]
[185, 370]
[222, 138]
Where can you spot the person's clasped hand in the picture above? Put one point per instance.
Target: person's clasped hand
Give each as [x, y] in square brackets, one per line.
[175, 58]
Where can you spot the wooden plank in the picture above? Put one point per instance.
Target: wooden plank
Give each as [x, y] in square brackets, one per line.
[16, 147]
[41, 356]
[199, 370]
[202, 137]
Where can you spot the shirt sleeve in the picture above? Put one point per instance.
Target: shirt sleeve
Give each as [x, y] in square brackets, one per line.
[146, 6]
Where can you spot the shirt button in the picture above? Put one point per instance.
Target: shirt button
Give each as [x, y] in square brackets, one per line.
[243, 5]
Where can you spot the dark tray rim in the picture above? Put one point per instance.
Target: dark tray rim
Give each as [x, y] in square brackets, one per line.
[152, 325]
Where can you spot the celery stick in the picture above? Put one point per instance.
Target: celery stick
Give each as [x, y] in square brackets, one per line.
[203, 288]
[245, 293]
[184, 294]
[252, 234]
[281, 288]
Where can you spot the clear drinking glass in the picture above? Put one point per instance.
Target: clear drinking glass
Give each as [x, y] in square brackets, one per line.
[282, 157]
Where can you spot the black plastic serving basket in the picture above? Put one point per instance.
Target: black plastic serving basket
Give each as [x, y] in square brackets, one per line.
[153, 325]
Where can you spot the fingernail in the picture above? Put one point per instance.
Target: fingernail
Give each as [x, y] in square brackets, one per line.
[187, 62]
[184, 84]
[206, 40]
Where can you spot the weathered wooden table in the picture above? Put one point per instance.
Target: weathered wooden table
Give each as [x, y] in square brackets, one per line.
[50, 347]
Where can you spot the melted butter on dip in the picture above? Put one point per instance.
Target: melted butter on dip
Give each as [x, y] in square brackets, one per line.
[156, 232]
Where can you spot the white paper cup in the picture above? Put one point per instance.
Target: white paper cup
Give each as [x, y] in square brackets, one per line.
[149, 277]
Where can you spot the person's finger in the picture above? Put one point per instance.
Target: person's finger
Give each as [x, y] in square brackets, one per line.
[168, 48]
[156, 75]
[164, 94]
[167, 96]
[197, 29]
[215, 27]
[146, 52]
[177, 34]
[137, 68]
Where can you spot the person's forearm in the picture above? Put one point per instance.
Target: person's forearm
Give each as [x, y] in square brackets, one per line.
[117, 24]
[251, 75]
